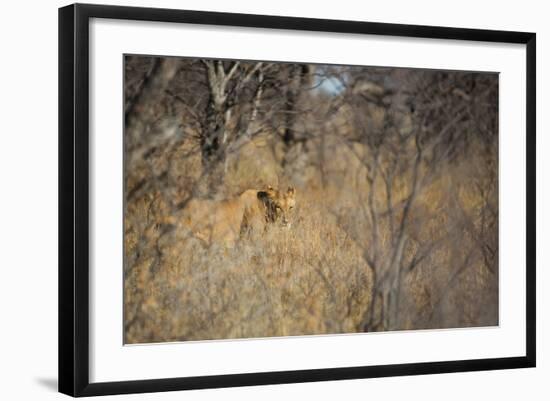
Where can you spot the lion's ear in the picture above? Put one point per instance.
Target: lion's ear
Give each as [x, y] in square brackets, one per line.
[271, 192]
[291, 190]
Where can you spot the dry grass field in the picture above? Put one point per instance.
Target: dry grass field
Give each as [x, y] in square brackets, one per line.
[397, 231]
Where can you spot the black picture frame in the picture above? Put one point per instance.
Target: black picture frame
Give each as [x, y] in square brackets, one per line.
[74, 193]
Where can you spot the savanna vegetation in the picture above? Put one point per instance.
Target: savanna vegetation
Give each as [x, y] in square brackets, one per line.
[395, 225]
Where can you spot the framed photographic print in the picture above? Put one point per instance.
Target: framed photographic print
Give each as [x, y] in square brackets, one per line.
[250, 199]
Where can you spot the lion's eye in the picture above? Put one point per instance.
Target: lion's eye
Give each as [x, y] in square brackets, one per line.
[291, 207]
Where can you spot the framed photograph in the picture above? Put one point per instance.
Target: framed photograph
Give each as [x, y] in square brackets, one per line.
[251, 199]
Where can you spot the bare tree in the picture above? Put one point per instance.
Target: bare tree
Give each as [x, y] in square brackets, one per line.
[230, 85]
[416, 137]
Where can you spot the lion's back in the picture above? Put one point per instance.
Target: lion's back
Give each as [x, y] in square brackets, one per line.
[219, 221]
[254, 212]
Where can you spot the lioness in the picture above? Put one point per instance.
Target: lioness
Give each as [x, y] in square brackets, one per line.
[249, 213]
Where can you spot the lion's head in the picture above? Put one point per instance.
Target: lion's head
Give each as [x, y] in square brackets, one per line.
[279, 204]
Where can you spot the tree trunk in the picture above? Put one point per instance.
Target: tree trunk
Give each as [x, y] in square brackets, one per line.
[215, 135]
[299, 77]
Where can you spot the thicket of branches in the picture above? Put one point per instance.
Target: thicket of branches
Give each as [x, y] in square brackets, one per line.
[397, 173]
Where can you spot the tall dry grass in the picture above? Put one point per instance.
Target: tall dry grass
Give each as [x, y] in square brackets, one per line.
[310, 279]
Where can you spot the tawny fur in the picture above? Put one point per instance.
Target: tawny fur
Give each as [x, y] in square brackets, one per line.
[249, 213]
